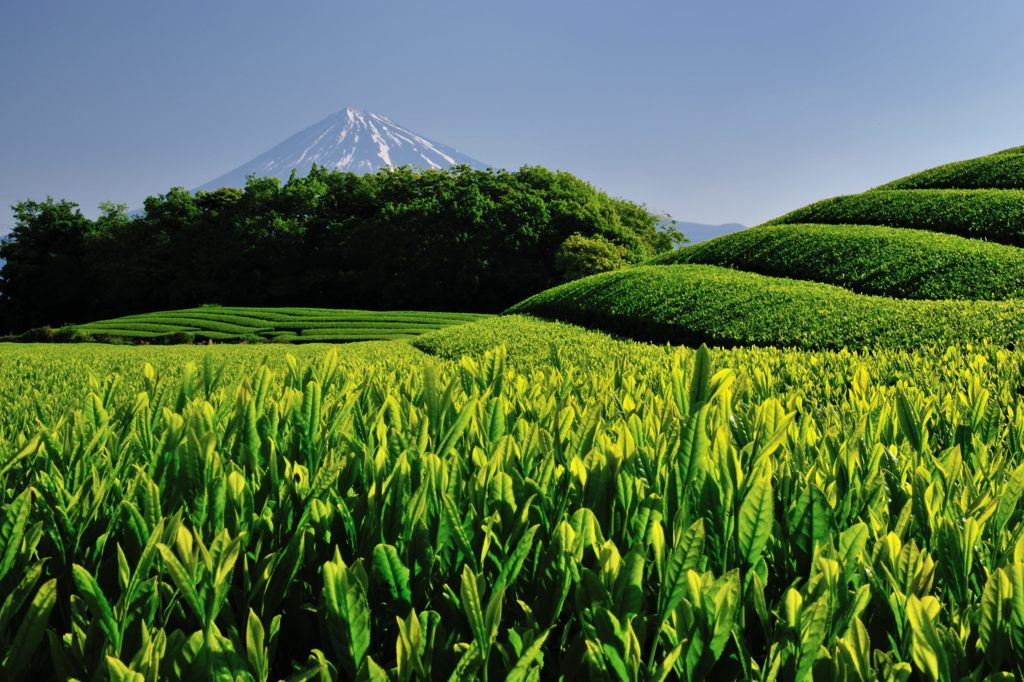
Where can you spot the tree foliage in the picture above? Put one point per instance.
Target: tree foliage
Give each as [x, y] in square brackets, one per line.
[580, 256]
[456, 239]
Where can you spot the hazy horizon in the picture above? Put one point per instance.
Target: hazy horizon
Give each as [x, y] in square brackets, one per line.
[715, 114]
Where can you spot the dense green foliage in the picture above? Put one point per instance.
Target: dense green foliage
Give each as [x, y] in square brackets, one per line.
[516, 498]
[819, 378]
[43, 381]
[883, 261]
[457, 239]
[531, 341]
[579, 256]
[695, 304]
[832, 274]
[992, 214]
[280, 325]
[686, 515]
[1003, 170]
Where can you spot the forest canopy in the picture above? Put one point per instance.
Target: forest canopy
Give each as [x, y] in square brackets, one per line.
[455, 239]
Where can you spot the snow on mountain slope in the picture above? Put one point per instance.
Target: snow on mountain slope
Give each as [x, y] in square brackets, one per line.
[351, 140]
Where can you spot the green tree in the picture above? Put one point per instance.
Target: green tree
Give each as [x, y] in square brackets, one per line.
[454, 239]
[44, 279]
[579, 256]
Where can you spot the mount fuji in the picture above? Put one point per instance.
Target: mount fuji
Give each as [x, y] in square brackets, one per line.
[351, 140]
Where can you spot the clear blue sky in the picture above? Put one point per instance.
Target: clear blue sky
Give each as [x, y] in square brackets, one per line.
[713, 111]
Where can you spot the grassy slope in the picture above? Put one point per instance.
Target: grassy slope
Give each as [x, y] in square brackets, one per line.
[981, 198]
[867, 259]
[1002, 170]
[533, 342]
[846, 261]
[992, 214]
[706, 304]
[291, 325]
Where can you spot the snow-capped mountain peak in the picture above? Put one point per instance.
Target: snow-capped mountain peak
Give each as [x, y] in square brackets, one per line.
[353, 140]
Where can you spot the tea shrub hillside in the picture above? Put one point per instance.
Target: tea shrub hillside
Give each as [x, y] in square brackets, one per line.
[1002, 170]
[981, 198]
[868, 259]
[279, 325]
[694, 304]
[371, 514]
[943, 235]
[817, 378]
[531, 341]
[991, 214]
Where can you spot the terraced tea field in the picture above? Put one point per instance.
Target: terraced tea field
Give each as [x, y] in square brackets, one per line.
[279, 325]
[869, 259]
[935, 258]
[694, 304]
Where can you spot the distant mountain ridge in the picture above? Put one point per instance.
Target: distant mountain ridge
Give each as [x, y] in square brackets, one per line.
[352, 140]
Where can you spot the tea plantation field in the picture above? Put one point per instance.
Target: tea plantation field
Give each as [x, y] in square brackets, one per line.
[280, 325]
[834, 490]
[696, 304]
[569, 506]
[934, 258]
[869, 259]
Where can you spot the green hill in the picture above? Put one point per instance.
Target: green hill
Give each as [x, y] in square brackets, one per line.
[284, 325]
[531, 342]
[980, 198]
[932, 258]
[1002, 170]
[694, 304]
[869, 259]
[991, 214]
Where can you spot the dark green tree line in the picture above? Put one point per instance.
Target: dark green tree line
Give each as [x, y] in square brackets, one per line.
[456, 239]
